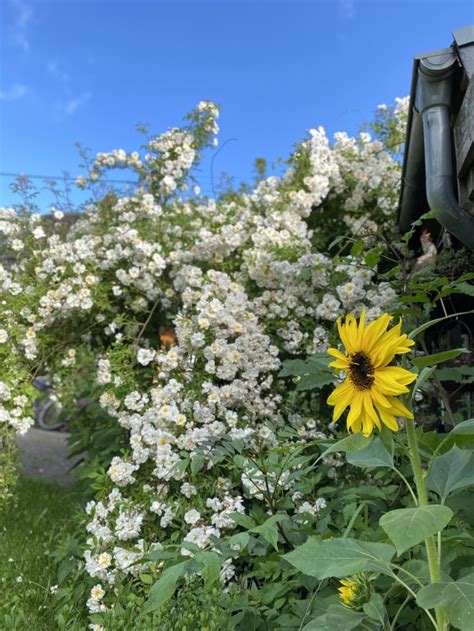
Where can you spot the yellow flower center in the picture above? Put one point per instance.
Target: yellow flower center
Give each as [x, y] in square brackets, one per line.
[361, 371]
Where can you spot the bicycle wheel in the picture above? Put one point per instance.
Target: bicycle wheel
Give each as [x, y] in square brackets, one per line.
[48, 415]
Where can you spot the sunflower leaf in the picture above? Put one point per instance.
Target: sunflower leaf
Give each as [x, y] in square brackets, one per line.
[374, 455]
[466, 427]
[337, 618]
[437, 358]
[375, 608]
[311, 382]
[353, 442]
[451, 471]
[407, 527]
[455, 597]
[339, 557]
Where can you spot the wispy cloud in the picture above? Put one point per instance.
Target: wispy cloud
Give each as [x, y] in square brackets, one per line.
[73, 104]
[347, 9]
[55, 70]
[68, 103]
[16, 91]
[21, 21]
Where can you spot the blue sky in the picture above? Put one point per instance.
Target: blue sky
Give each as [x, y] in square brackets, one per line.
[89, 71]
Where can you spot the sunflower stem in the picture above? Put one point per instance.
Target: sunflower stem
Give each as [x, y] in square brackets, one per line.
[432, 554]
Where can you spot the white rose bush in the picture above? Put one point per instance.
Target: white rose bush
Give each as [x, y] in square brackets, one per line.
[197, 331]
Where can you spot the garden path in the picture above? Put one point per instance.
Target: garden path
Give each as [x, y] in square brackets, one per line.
[44, 455]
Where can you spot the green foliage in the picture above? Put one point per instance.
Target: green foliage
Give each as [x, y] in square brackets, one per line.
[456, 597]
[450, 472]
[338, 558]
[42, 515]
[312, 373]
[407, 527]
[374, 455]
[9, 466]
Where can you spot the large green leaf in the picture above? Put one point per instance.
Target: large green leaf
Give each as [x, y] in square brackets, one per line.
[311, 382]
[466, 427]
[340, 557]
[301, 367]
[165, 587]
[452, 471]
[313, 371]
[456, 598]
[375, 608]
[337, 618]
[353, 442]
[438, 358]
[407, 527]
[374, 455]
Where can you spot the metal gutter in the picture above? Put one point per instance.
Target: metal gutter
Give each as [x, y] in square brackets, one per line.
[413, 191]
[428, 148]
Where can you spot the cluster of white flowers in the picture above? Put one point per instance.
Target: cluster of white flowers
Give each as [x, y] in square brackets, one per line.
[238, 280]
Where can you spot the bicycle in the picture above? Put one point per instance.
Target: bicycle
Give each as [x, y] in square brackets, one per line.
[47, 409]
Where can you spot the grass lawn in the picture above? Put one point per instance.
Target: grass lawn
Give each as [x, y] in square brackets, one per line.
[31, 527]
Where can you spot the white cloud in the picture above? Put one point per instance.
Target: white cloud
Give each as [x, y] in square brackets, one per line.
[15, 92]
[19, 29]
[72, 105]
[55, 70]
[347, 9]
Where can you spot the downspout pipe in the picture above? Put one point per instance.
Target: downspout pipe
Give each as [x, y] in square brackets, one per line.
[433, 102]
[413, 177]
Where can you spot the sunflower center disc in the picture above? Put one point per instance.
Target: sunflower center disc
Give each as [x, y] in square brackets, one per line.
[361, 371]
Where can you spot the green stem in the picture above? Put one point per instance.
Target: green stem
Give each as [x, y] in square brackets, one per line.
[410, 591]
[399, 611]
[408, 485]
[433, 559]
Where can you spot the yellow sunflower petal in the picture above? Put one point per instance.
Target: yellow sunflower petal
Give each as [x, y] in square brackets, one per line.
[374, 330]
[388, 419]
[379, 398]
[340, 398]
[361, 330]
[334, 352]
[371, 418]
[385, 349]
[341, 362]
[391, 344]
[392, 380]
[404, 345]
[356, 426]
[356, 409]
[346, 338]
[399, 409]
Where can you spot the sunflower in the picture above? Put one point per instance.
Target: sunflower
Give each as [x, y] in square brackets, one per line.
[355, 591]
[347, 592]
[371, 384]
